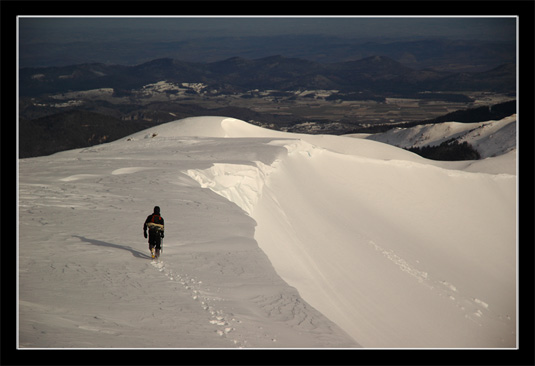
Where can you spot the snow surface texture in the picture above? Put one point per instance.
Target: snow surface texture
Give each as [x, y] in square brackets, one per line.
[490, 139]
[300, 241]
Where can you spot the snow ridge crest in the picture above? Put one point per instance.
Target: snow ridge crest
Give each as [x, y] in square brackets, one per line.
[239, 183]
[243, 184]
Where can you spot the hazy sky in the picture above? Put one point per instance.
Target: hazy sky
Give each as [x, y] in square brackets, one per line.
[56, 41]
[34, 30]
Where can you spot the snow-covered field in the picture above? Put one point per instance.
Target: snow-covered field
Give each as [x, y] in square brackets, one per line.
[273, 240]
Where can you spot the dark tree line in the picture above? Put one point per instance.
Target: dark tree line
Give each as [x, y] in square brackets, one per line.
[450, 150]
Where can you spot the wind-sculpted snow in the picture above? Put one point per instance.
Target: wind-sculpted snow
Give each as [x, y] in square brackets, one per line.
[299, 241]
[241, 184]
[372, 243]
[86, 279]
[363, 239]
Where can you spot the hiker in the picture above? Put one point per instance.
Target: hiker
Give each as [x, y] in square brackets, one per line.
[154, 223]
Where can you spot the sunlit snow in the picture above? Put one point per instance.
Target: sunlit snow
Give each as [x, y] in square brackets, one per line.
[272, 240]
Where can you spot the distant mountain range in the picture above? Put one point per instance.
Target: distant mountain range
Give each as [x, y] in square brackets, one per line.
[368, 78]
[378, 75]
[439, 54]
[79, 128]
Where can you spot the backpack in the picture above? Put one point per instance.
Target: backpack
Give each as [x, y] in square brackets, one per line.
[156, 223]
[156, 219]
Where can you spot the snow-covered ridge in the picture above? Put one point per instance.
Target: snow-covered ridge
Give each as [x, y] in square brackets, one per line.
[488, 143]
[241, 184]
[396, 250]
[492, 138]
[320, 213]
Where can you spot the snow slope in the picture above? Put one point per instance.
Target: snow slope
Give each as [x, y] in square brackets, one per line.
[494, 140]
[490, 139]
[299, 241]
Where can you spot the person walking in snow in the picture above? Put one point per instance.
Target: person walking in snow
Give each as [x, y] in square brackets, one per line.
[154, 223]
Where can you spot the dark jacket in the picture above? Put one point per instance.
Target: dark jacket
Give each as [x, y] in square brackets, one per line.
[154, 236]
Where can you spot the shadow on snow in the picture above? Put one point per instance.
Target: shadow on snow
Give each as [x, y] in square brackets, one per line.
[99, 243]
